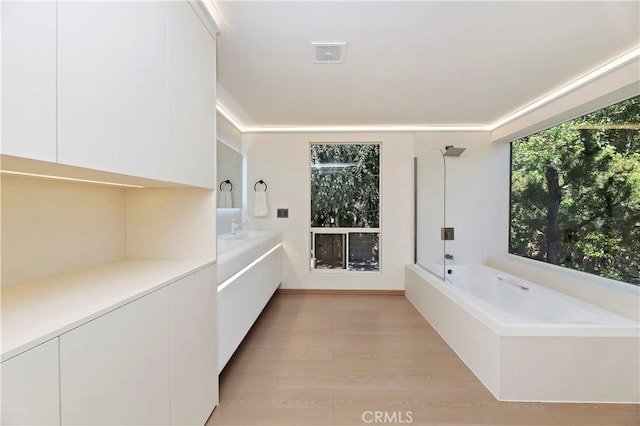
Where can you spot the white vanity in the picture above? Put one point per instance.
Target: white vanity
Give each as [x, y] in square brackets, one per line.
[249, 272]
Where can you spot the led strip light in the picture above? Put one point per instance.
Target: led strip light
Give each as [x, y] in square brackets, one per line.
[68, 179]
[235, 276]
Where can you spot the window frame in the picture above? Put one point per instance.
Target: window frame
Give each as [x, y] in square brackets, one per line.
[345, 230]
[541, 264]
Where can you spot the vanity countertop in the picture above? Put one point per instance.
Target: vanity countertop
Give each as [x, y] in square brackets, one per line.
[236, 251]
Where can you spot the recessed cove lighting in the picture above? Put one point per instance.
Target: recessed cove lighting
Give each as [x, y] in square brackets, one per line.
[592, 75]
[68, 179]
[226, 114]
[349, 129]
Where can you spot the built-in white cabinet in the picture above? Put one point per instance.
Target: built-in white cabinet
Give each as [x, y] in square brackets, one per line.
[120, 87]
[30, 387]
[150, 361]
[125, 92]
[29, 79]
[112, 83]
[193, 347]
[114, 369]
[137, 90]
[192, 97]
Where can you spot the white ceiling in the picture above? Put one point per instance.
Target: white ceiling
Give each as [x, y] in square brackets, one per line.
[410, 63]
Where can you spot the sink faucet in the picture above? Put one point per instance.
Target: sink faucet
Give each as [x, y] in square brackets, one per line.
[234, 226]
[448, 256]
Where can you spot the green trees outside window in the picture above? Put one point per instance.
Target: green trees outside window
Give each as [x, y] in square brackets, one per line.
[575, 193]
[345, 206]
[345, 185]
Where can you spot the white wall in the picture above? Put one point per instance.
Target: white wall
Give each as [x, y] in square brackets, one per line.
[283, 162]
[171, 223]
[477, 186]
[477, 196]
[49, 227]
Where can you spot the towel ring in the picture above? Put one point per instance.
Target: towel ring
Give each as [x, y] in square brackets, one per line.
[226, 181]
[260, 182]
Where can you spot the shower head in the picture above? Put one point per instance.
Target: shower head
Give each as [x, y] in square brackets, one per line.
[452, 151]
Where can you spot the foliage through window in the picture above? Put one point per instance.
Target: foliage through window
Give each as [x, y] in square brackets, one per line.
[345, 206]
[575, 193]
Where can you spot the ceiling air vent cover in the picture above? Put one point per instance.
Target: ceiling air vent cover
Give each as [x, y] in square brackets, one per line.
[329, 53]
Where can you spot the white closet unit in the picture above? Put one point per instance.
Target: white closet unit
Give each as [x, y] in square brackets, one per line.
[29, 79]
[112, 86]
[119, 87]
[120, 92]
[191, 86]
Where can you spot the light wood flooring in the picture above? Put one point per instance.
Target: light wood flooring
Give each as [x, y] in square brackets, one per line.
[330, 359]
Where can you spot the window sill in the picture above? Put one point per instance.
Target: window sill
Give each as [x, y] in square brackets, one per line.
[343, 271]
[576, 275]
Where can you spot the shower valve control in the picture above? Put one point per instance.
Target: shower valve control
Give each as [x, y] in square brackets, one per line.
[446, 234]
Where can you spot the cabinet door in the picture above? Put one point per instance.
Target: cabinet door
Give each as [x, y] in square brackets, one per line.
[29, 79]
[112, 80]
[241, 302]
[30, 387]
[193, 333]
[192, 98]
[115, 369]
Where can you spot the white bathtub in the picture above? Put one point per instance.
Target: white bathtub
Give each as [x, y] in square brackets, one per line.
[530, 345]
[541, 310]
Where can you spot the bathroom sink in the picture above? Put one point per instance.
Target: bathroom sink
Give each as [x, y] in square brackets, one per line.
[226, 244]
[251, 233]
[236, 251]
[245, 234]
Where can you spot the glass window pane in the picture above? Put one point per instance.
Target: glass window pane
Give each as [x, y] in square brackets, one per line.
[329, 251]
[363, 251]
[575, 193]
[345, 185]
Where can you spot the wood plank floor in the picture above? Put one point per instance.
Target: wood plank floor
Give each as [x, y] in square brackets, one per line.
[332, 359]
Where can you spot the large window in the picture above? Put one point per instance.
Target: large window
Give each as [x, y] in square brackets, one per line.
[345, 206]
[575, 193]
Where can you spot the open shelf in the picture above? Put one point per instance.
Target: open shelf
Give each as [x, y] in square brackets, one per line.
[73, 251]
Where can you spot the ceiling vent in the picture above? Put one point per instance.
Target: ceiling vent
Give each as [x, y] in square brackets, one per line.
[329, 53]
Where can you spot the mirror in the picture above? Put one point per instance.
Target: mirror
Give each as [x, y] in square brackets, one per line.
[229, 173]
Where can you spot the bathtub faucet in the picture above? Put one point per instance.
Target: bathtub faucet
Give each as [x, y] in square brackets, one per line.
[448, 256]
